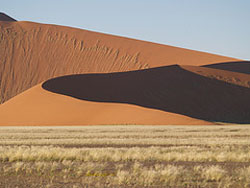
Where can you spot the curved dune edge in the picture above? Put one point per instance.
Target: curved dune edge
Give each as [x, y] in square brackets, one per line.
[38, 107]
[169, 88]
[32, 53]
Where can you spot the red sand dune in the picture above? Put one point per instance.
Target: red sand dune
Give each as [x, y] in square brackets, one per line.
[31, 53]
[135, 83]
[150, 96]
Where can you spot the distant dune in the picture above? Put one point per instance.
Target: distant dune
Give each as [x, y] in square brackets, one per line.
[4, 17]
[234, 78]
[238, 66]
[55, 75]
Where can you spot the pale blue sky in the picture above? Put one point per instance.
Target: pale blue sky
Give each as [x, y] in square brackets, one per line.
[216, 26]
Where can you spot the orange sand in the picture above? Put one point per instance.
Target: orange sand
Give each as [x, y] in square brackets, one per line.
[37, 106]
[31, 54]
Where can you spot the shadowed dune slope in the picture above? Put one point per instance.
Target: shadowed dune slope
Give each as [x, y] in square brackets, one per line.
[170, 88]
[163, 95]
[31, 53]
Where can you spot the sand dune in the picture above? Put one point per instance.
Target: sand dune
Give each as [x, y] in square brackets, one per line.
[55, 75]
[163, 95]
[31, 53]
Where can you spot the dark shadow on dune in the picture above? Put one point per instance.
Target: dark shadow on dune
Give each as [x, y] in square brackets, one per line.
[4, 17]
[170, 89]
[237, 66]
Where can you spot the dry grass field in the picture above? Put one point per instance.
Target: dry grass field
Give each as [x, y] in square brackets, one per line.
[125, 156]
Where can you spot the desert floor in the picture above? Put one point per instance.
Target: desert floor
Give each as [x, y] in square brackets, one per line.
[125, 156]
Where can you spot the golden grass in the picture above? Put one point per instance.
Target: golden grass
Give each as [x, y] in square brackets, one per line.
[136, 174]
[121, 156]
[50, 153]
